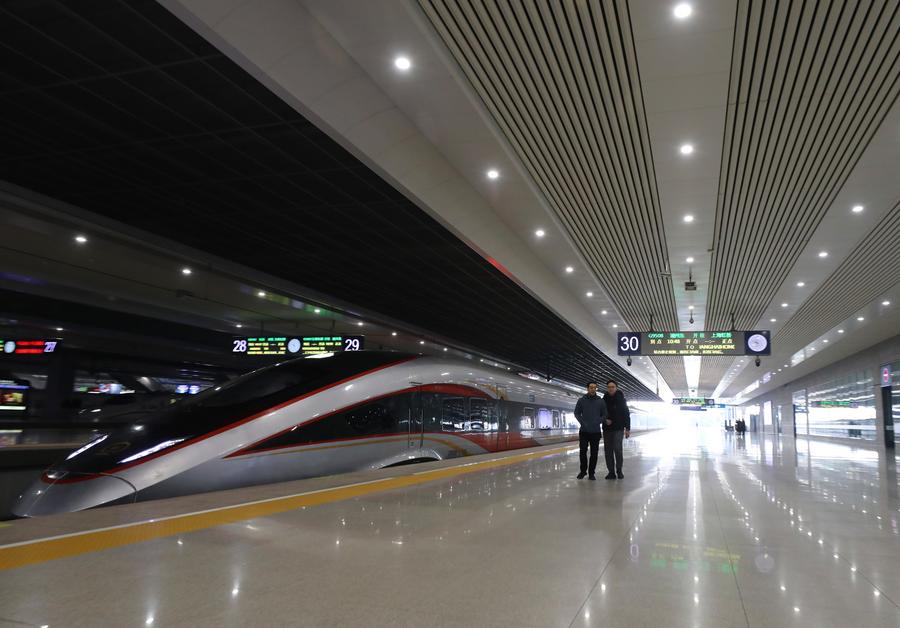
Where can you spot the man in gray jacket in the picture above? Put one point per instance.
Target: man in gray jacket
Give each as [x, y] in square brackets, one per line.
[590, 411]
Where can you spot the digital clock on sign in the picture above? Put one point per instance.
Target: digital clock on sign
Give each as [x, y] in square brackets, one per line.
[757, 343]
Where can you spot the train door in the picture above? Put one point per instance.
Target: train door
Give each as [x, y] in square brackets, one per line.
[416, 423]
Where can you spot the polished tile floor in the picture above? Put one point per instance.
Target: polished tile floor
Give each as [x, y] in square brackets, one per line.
[707, 529]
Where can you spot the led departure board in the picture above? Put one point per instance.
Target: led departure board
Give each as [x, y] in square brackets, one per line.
[694, 401]
[694, 343]
[29, 347]
[295, 345]
[828, 403]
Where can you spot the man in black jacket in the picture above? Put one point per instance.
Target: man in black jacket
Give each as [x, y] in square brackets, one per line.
[617, 424]
[590, 411]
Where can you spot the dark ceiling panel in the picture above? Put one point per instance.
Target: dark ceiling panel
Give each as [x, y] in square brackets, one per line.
[121, 109]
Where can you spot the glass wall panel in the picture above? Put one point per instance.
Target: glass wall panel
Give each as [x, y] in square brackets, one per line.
[844, 406]
[801, 418]
[895, 397]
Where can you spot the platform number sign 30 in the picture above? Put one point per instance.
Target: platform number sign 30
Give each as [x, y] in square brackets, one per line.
[629, 343]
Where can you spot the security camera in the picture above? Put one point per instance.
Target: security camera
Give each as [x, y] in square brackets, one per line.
[757, 361]
[628, 361]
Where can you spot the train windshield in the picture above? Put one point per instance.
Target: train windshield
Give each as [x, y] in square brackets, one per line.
[221, 406]
[271, 385]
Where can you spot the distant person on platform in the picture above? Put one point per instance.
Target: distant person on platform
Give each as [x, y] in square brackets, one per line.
[616, 425]
[590, 411]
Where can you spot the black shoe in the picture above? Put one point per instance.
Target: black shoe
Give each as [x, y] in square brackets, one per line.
[592, 477]
[610, 476]
[581, 475]
[620, 476]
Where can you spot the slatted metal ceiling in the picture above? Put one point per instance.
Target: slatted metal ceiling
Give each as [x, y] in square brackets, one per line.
[561, 82]
[122, 109]
[868, 272]
[810, 84]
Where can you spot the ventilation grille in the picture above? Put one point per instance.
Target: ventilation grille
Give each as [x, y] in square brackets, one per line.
[561, 82]
[810, 84]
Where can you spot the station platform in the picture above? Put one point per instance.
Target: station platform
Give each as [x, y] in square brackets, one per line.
[706, 529]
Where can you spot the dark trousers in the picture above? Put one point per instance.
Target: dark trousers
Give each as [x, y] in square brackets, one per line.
[612, 447]
[585, 439]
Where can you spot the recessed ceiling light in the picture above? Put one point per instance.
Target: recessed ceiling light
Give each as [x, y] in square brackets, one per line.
[589, 294]
[316, 311]
[421, 342]
[826, 340]
[823, 254]
[393, 333]
[784, 305]
[689, 218]
[569, 269]
[186, 271]
[59, 329]
[261, 293]
[690, 260]
[686, 149]
[840, 331]
[690, 307]
[773, 320]
[615, 325]
[359, 323]
[860, 318]
[493, 174]
[238, 325]
[857, 209]
[603, 312]
[402, 63]
[885, 303]
[540, 233]
[445, 348]
[682, 10]
[800, 284]
[80, 239]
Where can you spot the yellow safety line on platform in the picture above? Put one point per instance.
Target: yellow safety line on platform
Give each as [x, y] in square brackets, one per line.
[41, 550]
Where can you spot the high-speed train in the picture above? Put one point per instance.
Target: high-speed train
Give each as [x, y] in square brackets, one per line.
[308, 417]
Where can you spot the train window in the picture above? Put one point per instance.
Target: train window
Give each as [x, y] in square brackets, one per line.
[482, 415]
[527, 421]
[556, 422]
[374, 418]
[453, 414]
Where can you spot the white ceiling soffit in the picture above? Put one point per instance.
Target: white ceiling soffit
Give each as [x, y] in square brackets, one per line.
[811, 84]
[561, 82]
[869, 271]
[866, 286]
[333, 60]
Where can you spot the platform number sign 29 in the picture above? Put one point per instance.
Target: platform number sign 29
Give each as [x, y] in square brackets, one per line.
[352, 344]
[629, 343]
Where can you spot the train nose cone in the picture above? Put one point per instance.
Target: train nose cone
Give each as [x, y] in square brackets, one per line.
[49, 496]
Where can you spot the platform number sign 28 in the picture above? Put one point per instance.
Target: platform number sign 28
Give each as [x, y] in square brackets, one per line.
[239, 346]
[629, 343]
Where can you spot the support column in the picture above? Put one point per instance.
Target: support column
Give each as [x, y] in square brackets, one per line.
[60, 385]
